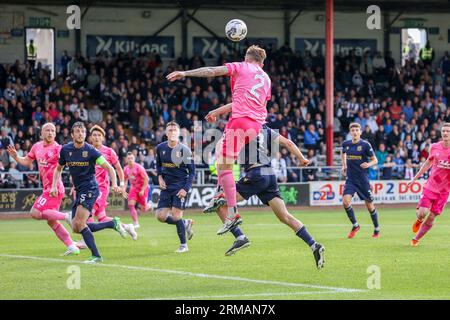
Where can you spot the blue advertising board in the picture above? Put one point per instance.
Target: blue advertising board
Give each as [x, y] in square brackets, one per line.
[212, 48]
[316, 45]
[112, 45]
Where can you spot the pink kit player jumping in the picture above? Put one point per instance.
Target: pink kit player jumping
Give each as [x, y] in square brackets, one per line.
[46, 153]
[251, 88]
[139, 187]
[437, 188]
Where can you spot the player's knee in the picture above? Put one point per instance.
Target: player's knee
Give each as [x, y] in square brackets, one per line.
[77, 226]
[36, 215]
[161, 217]
[346, 203]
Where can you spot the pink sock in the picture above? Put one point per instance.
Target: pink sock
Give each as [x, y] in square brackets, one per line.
[423, 230]
[102, 217]
[52, 215]
[229, 186]
[60, 232]
[90, 220]
[133, 213]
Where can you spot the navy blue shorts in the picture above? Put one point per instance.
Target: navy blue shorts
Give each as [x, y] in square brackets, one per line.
[168, 199]
[87, 199]
[363, 190]
[264, 186]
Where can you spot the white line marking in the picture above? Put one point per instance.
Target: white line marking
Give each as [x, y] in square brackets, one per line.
[186, 273]
[225, 296]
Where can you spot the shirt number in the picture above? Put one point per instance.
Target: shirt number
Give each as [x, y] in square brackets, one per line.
[260, 78]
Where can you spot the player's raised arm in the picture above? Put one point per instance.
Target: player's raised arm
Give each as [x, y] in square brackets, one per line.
[24, 161]
[205, 72]
[292, 148]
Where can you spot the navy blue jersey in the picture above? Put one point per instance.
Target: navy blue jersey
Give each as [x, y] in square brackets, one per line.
[261, 150]
[81, 163]
[357, 153]
[175, 165]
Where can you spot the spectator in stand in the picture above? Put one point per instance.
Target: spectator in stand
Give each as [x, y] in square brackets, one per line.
[311, 138]
[279, 166]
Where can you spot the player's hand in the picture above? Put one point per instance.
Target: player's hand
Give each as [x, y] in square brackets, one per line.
[410, 182]
[211, 117]
[162, 183]
[365, 165]
[344, 171]
[12, 151]
[181, 194]
[117, 189]
[304, 162]
[141, 193]
[176, 75]
[54, 192]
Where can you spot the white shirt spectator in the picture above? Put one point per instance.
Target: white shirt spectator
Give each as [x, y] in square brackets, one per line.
[279, 166]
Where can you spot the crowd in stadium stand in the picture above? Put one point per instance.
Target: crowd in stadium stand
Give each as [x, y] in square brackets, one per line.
[399, 108]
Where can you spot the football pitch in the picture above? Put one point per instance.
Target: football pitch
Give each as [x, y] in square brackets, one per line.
[277, 265]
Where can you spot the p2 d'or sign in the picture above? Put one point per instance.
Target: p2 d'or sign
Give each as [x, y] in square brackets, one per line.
[341, 46]
[112, 45]
[329, 193]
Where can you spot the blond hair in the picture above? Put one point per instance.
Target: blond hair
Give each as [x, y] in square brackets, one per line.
[256, 53]
[97, 128]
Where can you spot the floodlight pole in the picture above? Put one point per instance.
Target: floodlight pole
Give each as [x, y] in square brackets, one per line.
[329, 80]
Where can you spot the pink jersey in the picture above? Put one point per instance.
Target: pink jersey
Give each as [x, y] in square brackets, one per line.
[46, 157]
[136, 175]
[251, 89]
[439, 180]
[101, 174]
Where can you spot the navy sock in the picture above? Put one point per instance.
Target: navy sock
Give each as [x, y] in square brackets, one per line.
[303, 234]
[374, 217]
[88, 238]
[101, 225]
[351, 215]
[181, 230]
[236, 232]
[169, 220]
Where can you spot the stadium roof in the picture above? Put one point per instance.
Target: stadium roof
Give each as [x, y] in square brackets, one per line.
[340, 5]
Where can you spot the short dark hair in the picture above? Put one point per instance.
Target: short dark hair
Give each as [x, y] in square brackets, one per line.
[129, 153]
[446, 124]
[172, 123]
[354, 125]
[77, 124]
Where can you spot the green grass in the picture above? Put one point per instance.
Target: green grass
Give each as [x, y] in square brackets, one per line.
[276, 254]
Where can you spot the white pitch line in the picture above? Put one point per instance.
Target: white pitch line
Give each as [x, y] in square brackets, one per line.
[225, 296]
[186, 273]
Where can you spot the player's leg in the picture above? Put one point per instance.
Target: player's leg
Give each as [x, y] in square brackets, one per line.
[238, 133]
[63, 235]
[438, 202]
[79, 225]
[177, 216]
[374, 216]
[114, 223]
[347, 203]
[423, 208]
[241, 241]
[427, 224]
[133, 212]
[279, 208]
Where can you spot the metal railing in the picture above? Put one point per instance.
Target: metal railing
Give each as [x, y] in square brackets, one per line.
[30, 179]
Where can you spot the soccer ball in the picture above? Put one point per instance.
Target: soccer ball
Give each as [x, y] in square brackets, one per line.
[236, 30]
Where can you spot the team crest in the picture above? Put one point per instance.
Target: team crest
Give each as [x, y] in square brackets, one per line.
[89, 195]
[70, 153]
[359, 148]
[84, 154]
[347, 148]
[178, 154]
